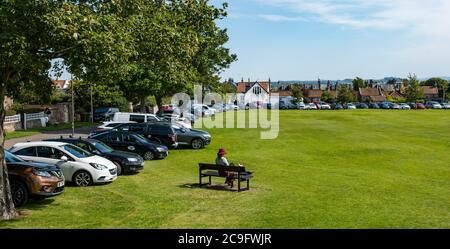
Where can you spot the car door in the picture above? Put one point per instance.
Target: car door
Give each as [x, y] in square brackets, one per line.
[130, 144]
[52, 155]
[114, 140]
[183, 136]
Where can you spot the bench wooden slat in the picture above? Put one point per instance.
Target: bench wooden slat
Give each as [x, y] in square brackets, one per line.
[204, 166]
[240, 173]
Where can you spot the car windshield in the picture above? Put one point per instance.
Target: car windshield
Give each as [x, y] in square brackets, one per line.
[76, 151]
[102, 110]
[11, 158]
[102, 147]
[140, 138]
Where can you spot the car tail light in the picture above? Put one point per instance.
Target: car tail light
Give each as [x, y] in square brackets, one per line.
[173, 137]
[98, 129]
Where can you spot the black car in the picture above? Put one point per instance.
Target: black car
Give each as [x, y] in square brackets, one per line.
[126, 162]
[337, 106]
[104, 113]
[196, 139]
[374, 106]
[132, 142]
[362, 106]
[384, 106]
[160, 132]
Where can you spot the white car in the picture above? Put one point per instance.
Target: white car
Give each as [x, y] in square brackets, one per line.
[445, 105]
[78, 166]
[301, 106]
[204, 110]
[232, 107]
[433, 105]
[134, 117]
[110, 125]
[312, 106]
[351, 106]
[324, 106]
[404, 106]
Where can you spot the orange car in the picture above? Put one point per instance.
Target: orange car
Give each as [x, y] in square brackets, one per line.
[32, 180]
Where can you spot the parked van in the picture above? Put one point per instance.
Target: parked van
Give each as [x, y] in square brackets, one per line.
[134, 117]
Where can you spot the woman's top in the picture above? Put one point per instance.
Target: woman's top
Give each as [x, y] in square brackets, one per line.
[222, 161]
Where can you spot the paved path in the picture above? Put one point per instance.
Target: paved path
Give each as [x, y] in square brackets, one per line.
[79, 132]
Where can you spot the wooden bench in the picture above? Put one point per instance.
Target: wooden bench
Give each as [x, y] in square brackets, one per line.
[213, 170]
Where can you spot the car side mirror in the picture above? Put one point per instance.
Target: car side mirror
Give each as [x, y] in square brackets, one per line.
[64, 158]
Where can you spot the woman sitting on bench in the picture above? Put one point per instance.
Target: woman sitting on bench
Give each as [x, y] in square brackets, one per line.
[222, 161]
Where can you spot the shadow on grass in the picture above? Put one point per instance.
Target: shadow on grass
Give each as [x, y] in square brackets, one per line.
[216, 187]
[32, 205]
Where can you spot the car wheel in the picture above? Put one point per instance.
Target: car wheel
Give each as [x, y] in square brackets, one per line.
[19, 193]
[149, 155]
[197, 144]
[82, 179]
[119, 168]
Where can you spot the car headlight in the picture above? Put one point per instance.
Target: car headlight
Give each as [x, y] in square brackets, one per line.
[160, 149]
[42, 173]
[98, 166]
[132, 160]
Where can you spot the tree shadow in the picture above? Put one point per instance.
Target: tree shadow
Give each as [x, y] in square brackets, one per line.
[32, 205]
[216, 187]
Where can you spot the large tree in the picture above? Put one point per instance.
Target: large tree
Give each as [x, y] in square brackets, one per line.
[297, 93]
[345, 94]
[91, 38]
[358, 83]
[441, 84]
[413, 89]
[179, 45]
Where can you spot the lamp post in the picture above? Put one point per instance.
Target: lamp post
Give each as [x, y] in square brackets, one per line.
[73, 107]
[92, 105]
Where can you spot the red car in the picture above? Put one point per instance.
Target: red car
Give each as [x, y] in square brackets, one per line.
[168, 108]
[420, 106]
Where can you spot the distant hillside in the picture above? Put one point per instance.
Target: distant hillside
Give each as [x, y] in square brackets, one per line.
[345, 81]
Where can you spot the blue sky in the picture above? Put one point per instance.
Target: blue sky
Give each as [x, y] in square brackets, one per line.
[337, 39]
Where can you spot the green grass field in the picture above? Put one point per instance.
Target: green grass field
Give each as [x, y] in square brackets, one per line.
[349, 169]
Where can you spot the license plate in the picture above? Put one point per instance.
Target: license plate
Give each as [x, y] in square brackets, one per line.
[60, 184]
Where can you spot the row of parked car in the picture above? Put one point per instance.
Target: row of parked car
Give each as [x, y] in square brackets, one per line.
[41, 169]
[383, 105]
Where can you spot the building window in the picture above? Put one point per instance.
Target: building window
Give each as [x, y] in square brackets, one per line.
[257, 90]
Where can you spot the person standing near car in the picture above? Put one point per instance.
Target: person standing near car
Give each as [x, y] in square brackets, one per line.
[48, 114]
[222, 161]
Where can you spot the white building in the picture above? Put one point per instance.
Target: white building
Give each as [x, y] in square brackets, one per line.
[253, 92]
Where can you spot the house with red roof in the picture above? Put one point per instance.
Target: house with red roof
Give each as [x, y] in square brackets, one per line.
[430, 93]
[61, 84]
[371, 94]
[253, 92]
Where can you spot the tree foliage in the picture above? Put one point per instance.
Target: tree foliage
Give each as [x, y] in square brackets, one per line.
[358, 83]
[345, 95]
[327, 96]
[297, 93]
[151, 47]
[413, 91]
[179, 45]
[441, 84]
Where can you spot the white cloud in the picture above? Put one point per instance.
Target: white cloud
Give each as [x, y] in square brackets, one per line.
[422, 17]
[280, 18]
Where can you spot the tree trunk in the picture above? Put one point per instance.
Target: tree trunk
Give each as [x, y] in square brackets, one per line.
[142, 105]
[7, 209]
[159, 102]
